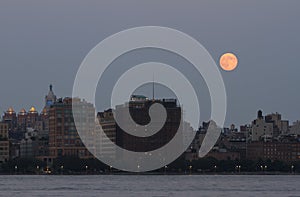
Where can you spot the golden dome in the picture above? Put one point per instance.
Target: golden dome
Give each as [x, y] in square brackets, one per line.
[32, 110]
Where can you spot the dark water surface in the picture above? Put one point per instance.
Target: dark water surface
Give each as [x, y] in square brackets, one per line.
[152, 185]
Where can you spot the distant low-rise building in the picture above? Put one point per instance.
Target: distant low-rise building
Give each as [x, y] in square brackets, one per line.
[224, 155]
[281, 127]
[283, 151]
[268, 127]
[295, 128]
[260, 128]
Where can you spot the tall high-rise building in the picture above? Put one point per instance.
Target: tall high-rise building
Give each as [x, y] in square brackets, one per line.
[139, 110]
[63, 136]
[10, 118]
[139, 106]
[4, 143]
[102, 141]
[50, 99]
[44, 117]
[22, 120]
[32, 118]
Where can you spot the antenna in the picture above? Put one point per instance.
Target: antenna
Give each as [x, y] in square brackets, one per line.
[153, 88]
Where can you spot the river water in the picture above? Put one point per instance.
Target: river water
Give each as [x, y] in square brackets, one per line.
[151, 185]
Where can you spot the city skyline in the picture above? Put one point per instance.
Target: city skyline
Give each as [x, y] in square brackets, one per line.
[51, 97]
[51, 137]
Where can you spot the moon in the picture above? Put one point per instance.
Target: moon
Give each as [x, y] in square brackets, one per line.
[228, 61]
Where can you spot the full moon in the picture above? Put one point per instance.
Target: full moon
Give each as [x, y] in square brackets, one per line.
[228, 61]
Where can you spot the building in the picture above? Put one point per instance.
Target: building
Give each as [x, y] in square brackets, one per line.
[224, 155]
[192, 153]
[22, 120]
[32, 118]
[108, 125]
[246, 130]
[63, 137]
[28, 144]
[235, 143]
[231, 145]
[10, 118]
[268, 127]
[139, 111]
[281, 127]
[295, 128]
[282, 151]
[261, 129]
[4, 143]
[34, 144]
[44, 119]
[14, 148]
[50, 98]
[188, 134]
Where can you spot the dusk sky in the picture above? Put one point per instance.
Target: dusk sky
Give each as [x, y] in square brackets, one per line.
[44, 42]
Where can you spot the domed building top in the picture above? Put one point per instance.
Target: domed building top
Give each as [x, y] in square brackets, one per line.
[22, 112]
[44, 112]
[10, 110]
[32, 110]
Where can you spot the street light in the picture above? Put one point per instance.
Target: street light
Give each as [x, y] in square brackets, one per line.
[37, 169]
[190, 167]
[61, 169]
[138, 166]
[86, 169]
[48, 171]
[166, 169]
[263, 168]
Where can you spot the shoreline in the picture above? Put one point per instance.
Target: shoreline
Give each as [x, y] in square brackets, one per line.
[153, 174]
